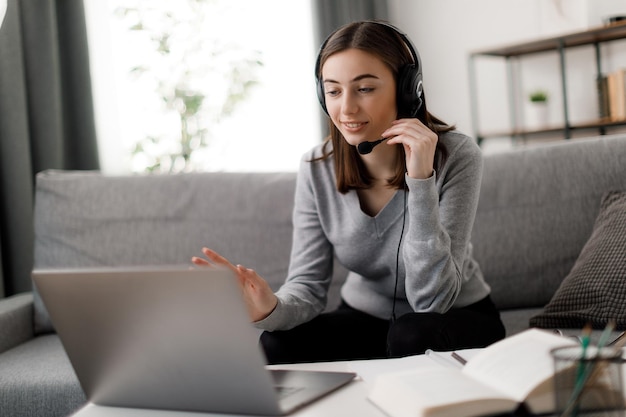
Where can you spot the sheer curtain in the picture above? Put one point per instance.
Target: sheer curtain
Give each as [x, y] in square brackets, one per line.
[46, 108]
[46, 118]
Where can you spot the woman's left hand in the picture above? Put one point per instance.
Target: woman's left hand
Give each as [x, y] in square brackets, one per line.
[419, 145]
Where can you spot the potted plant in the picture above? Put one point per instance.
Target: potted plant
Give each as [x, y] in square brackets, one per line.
[197, 80]
[538, 110]
[538, 96]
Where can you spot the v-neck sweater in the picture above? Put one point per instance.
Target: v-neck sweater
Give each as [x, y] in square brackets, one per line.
[436, 270]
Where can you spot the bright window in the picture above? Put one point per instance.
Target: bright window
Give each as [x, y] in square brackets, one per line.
[269, 130]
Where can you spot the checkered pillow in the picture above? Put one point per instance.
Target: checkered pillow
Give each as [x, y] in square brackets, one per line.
[595, 289]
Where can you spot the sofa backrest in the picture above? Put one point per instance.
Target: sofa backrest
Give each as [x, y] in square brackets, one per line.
[85, 219]
[536, 211]
[537, 208]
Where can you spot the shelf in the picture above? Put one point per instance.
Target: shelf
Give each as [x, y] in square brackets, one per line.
[556, 44]
[592, 125]
[606, 33]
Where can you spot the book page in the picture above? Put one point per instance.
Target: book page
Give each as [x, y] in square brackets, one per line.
[518, 363]
[437, 392]
[371, 369]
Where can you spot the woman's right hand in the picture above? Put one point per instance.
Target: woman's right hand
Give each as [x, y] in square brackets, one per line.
[257, 294]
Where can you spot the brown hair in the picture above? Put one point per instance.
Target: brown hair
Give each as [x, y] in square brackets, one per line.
[387, 44]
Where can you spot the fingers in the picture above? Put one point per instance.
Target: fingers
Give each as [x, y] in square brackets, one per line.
[248, 278]
[240, 273]
[407, 129]
[199, 261]
[419, 144]
[254, 287]
[214, 258]
[257, 293]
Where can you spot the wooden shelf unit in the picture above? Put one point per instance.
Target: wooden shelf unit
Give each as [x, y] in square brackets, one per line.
[594, 37]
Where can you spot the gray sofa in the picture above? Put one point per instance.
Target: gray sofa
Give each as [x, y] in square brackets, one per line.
[536, 211]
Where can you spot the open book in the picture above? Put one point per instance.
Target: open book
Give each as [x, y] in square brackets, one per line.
[496, 380]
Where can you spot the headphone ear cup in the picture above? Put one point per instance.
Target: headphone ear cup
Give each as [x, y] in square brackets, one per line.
[410, 89]
[320, 95]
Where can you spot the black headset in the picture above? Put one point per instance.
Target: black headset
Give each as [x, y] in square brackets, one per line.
[409, 86]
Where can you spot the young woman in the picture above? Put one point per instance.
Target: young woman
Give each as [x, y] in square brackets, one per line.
[396, 212]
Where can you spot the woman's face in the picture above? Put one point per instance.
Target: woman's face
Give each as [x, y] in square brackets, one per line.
[360, 94]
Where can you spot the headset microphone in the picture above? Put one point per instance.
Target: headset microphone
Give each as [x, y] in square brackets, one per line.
[366, 147]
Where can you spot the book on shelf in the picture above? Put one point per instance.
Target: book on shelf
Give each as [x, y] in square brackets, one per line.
[617, 95]
[516, 371]
[603, 96]
[611, 90]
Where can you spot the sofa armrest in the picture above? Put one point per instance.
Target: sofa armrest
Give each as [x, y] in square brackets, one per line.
[16, 320]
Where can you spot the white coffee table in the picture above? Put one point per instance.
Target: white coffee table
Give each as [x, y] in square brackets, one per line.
[350, 400]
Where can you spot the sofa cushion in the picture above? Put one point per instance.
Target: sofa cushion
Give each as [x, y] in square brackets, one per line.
[37, 379]
[595, 289]
[16, 320]
[515, 320]
[536, 211]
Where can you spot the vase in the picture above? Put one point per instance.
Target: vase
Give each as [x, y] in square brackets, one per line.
[537, 115]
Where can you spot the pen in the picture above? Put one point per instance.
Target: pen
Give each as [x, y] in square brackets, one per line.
[604, 337]
[585, 372]
[459, 358]
[585, 338]
[443, 358]
[618, 341]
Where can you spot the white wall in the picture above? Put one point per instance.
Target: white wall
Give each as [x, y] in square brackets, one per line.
[446, 31]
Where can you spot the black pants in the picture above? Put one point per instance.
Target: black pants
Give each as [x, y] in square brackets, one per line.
[346, 334]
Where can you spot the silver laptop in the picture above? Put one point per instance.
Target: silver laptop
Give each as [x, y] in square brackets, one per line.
[171, 338]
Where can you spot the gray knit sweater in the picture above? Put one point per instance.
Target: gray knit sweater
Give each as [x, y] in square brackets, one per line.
[436, 268]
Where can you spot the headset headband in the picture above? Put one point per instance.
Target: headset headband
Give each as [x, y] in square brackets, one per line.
[405, 39]
[410, 88]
